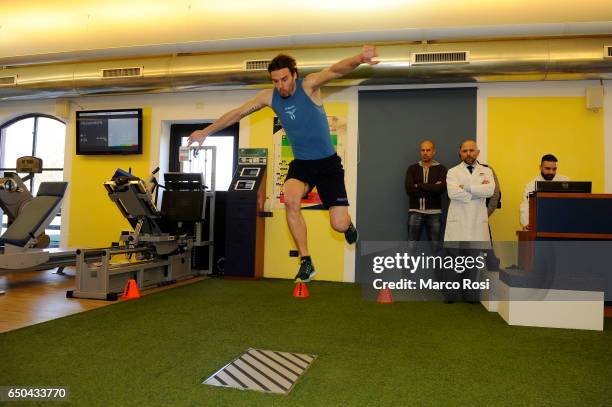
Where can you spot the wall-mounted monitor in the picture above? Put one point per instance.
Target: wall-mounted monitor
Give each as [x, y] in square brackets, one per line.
[109, 131]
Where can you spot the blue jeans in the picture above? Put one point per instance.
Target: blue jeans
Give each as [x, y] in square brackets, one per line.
[419, 221]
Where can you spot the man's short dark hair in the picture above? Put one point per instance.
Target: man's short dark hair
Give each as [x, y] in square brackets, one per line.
[282, 61]
[549, 157]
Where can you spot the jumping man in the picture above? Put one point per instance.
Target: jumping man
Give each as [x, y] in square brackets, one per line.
[297, 103]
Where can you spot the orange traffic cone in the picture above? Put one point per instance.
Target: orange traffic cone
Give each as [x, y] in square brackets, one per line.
[385, 296]
[131, 290]
[300, 290]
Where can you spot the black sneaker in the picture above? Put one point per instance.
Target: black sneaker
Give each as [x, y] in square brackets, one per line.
[307, 271]
[351, 235]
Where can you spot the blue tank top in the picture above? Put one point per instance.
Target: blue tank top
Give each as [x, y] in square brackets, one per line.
[305, 124]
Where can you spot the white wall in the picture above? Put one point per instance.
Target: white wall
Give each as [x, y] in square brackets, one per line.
[10, 110]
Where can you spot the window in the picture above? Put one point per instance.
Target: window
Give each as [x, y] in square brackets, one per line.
[226, 143]
[41, 136]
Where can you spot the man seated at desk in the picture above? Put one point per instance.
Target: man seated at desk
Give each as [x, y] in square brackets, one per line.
[548, 172]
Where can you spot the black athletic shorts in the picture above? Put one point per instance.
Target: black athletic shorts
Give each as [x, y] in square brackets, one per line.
[326, 174]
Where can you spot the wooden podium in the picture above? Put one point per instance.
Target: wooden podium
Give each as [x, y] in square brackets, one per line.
[565, 216]
[564, 278]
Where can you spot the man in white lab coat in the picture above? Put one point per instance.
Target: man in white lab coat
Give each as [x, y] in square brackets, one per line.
[469, 184]
[548, 172]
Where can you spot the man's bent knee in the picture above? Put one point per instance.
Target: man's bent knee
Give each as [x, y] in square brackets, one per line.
[340, 221]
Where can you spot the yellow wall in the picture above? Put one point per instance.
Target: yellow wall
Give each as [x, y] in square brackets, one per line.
[95, 221]
[325, 245]
[522, 130]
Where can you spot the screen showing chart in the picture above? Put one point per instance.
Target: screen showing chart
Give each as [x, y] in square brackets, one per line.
[109, 131]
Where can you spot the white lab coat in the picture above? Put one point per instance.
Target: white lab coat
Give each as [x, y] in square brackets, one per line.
[529, 188]
[467, 218]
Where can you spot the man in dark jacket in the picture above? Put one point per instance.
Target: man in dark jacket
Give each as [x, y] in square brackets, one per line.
[425, 184]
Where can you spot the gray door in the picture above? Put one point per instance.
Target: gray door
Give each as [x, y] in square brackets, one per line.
[391, 126]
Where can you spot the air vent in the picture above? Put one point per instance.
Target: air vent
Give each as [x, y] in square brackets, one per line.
[433, 58]
[257, 65]
[607, 51]
[8, 80]
[121, 72]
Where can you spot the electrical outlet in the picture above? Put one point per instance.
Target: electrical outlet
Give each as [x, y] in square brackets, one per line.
[293, 253]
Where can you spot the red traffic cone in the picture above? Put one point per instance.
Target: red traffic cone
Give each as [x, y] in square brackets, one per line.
[300, 290]
[608, 312]
[131, 290]
[385, 296]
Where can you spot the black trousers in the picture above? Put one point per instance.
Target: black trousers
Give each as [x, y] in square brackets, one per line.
[450, 276]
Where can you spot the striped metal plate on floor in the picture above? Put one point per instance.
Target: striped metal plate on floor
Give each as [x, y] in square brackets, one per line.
[263, 370]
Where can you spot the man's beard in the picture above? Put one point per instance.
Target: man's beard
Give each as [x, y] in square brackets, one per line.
[548, 177]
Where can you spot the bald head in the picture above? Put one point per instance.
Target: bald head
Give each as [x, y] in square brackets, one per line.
[427, 143]
[428, 151]
[469, 143]
[468, 152]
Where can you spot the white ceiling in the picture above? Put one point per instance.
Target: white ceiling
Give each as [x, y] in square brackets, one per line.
[47, 30]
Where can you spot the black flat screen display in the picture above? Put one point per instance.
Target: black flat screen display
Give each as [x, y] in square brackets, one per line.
[109, 131]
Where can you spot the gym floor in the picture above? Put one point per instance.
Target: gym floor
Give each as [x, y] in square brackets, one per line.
[40, 296]
[159, 349]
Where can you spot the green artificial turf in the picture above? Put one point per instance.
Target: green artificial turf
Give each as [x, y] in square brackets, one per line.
[157, 351]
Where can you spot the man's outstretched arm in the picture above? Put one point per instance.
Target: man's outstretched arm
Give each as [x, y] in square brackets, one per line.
[261, 100]
[315, 80]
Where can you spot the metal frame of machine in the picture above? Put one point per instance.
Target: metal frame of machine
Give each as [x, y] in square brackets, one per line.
[157, 252]
[24, 241]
